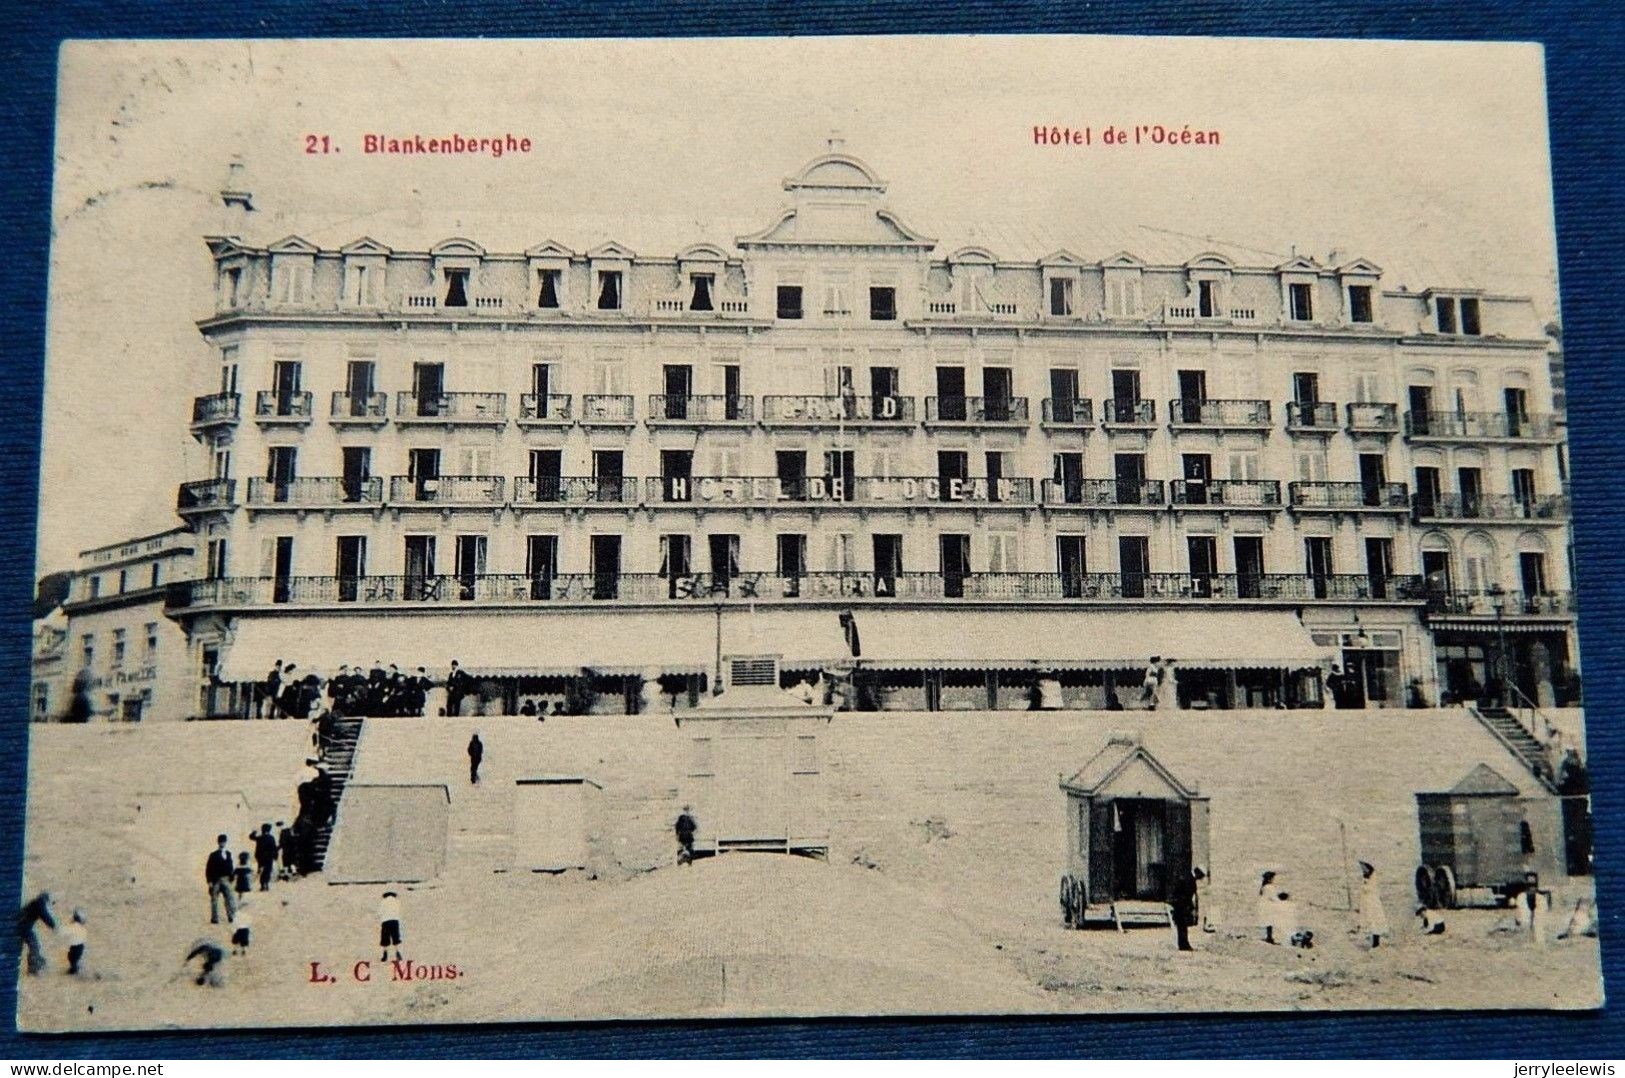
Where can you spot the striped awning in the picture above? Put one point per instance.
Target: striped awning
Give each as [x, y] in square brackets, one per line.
[1092, 640]
[1483, 627]
[525, 643]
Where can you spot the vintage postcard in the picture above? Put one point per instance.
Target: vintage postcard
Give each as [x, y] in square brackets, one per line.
[545, 530]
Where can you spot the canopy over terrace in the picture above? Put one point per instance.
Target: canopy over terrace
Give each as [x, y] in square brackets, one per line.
[1090, 640]
[562, 644]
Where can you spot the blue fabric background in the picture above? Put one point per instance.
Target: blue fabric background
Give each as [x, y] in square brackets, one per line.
[1587, 101]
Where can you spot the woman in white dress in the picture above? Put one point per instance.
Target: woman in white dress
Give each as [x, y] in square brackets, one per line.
[1267, 906]
[1373, 918]
[1167, 688]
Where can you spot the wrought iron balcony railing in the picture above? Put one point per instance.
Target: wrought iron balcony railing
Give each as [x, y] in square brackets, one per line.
[1311, 415]
[206, 495]
[800, 410]
[1127, 411]
[217, 408]
[447, 489]
[1509, 604]
[575, 490]
[1227, 493]
[320, 491]
[1373, 418]
[1186, 412]
[1069, 412]
[812, 588]
[545, 408]
[703, 408]
[1108, 493]
[973, 410]
[452, 407]
[1348, 496]
[1471, 426]
[359, 407]
[1425, 506]
[292, 407]
[614, 408]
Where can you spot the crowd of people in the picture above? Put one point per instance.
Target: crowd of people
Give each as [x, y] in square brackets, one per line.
[287, 691]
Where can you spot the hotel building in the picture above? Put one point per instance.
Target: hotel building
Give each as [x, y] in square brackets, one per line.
[578, 469]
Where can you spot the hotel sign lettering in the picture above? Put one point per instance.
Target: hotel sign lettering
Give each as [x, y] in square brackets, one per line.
[838, 489]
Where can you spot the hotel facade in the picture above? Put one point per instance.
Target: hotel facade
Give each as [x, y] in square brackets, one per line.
[587, 473]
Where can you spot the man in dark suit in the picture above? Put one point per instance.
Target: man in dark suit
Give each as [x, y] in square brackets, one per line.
[217, 873]
[457, 685]
[265, 855]
[1183, 904]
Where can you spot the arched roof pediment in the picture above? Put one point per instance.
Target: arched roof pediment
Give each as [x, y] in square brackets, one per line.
[836, 170]
[1123, 260]
[973, 256]
[1210, 260]
[702, 252]
[457, 247]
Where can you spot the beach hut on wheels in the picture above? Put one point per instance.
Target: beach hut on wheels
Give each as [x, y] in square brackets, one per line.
[752, 779]
[1132, 828]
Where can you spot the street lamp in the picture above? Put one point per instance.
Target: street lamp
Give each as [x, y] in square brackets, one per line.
[1498, 601]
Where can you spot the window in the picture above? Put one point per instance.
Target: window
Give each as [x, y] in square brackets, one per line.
[838, 552]
[1311, 465]
[361, 283]
[42, 701]
[290, 279]
[1300, 302]
[837, 303]
[1122, 293]
[152, 641]
[231, 281]
[456, 288]
[1243, 465]
[118, 647]
[215, 565]
[153, 583]
[547, 289]
[1469, 317]
[1444, 314]
[123, 581]
[700, 298]
[1003, 553]
[609, 290]
[1207, 299]
[1360, 303]
[789, 301]
[95, 587]
[1060, 297]
[87, 649]
[883, 304]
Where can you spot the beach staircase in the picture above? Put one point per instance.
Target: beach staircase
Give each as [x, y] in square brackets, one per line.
[339, 759]
[1512, 734]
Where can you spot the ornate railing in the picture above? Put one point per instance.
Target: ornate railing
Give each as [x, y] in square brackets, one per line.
[1218, 413]
[316, 491]
[215, 408]
[976, 409]
[1304, 495]
[850, 408]
[364, 407]
[1227, 493]
[1311, 415]
[1103, 492]
[270, 404]
[1373, 417]
[1426, 506]
[1471, 425]
[492, 407]
[701, 408]
[1126, 410]
[544, 408]
[448, 489]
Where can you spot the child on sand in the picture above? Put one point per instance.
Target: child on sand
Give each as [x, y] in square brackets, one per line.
[244, 875]
[74, 935]
[240, 935]
[389, 925]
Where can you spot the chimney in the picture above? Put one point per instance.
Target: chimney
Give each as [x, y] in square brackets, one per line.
[235, 196]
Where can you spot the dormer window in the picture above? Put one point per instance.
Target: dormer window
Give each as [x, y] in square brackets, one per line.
[361, 284]
[1207, 299]
[882, 304]
[609, 290]
[1300, 303]
[547, 289]
[1060, 297]
[290, 278]
[456, 288]
[1469, 317]
[700, 297]
[231, 282]
[1444, 314]
[1360, 307]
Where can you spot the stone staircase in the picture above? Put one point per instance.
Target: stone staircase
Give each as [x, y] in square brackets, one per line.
[1506, 728]
[339, 759]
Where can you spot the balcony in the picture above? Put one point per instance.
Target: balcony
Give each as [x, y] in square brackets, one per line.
[714, 410]
[1552, 508]
[452, 409]
[574, 490]
[1219, 414]
[1479, 427]
[1370, 418]
[316, 492]
[359, 409]
[747, 588]
[1226, 493]
[1061, 413]
[216, 411]
[1507, 604]
[474, 490]
[272, 408]
[473, 302]
[828, 411]
[815, 491]
[545, 410]
[1104, 494]
[607, 410]
[976, 411]
[1349, 497]
[206, 496]
[1311, 417]
[1128, 413]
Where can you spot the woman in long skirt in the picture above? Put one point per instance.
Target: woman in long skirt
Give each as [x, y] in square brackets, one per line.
[1373, 918]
